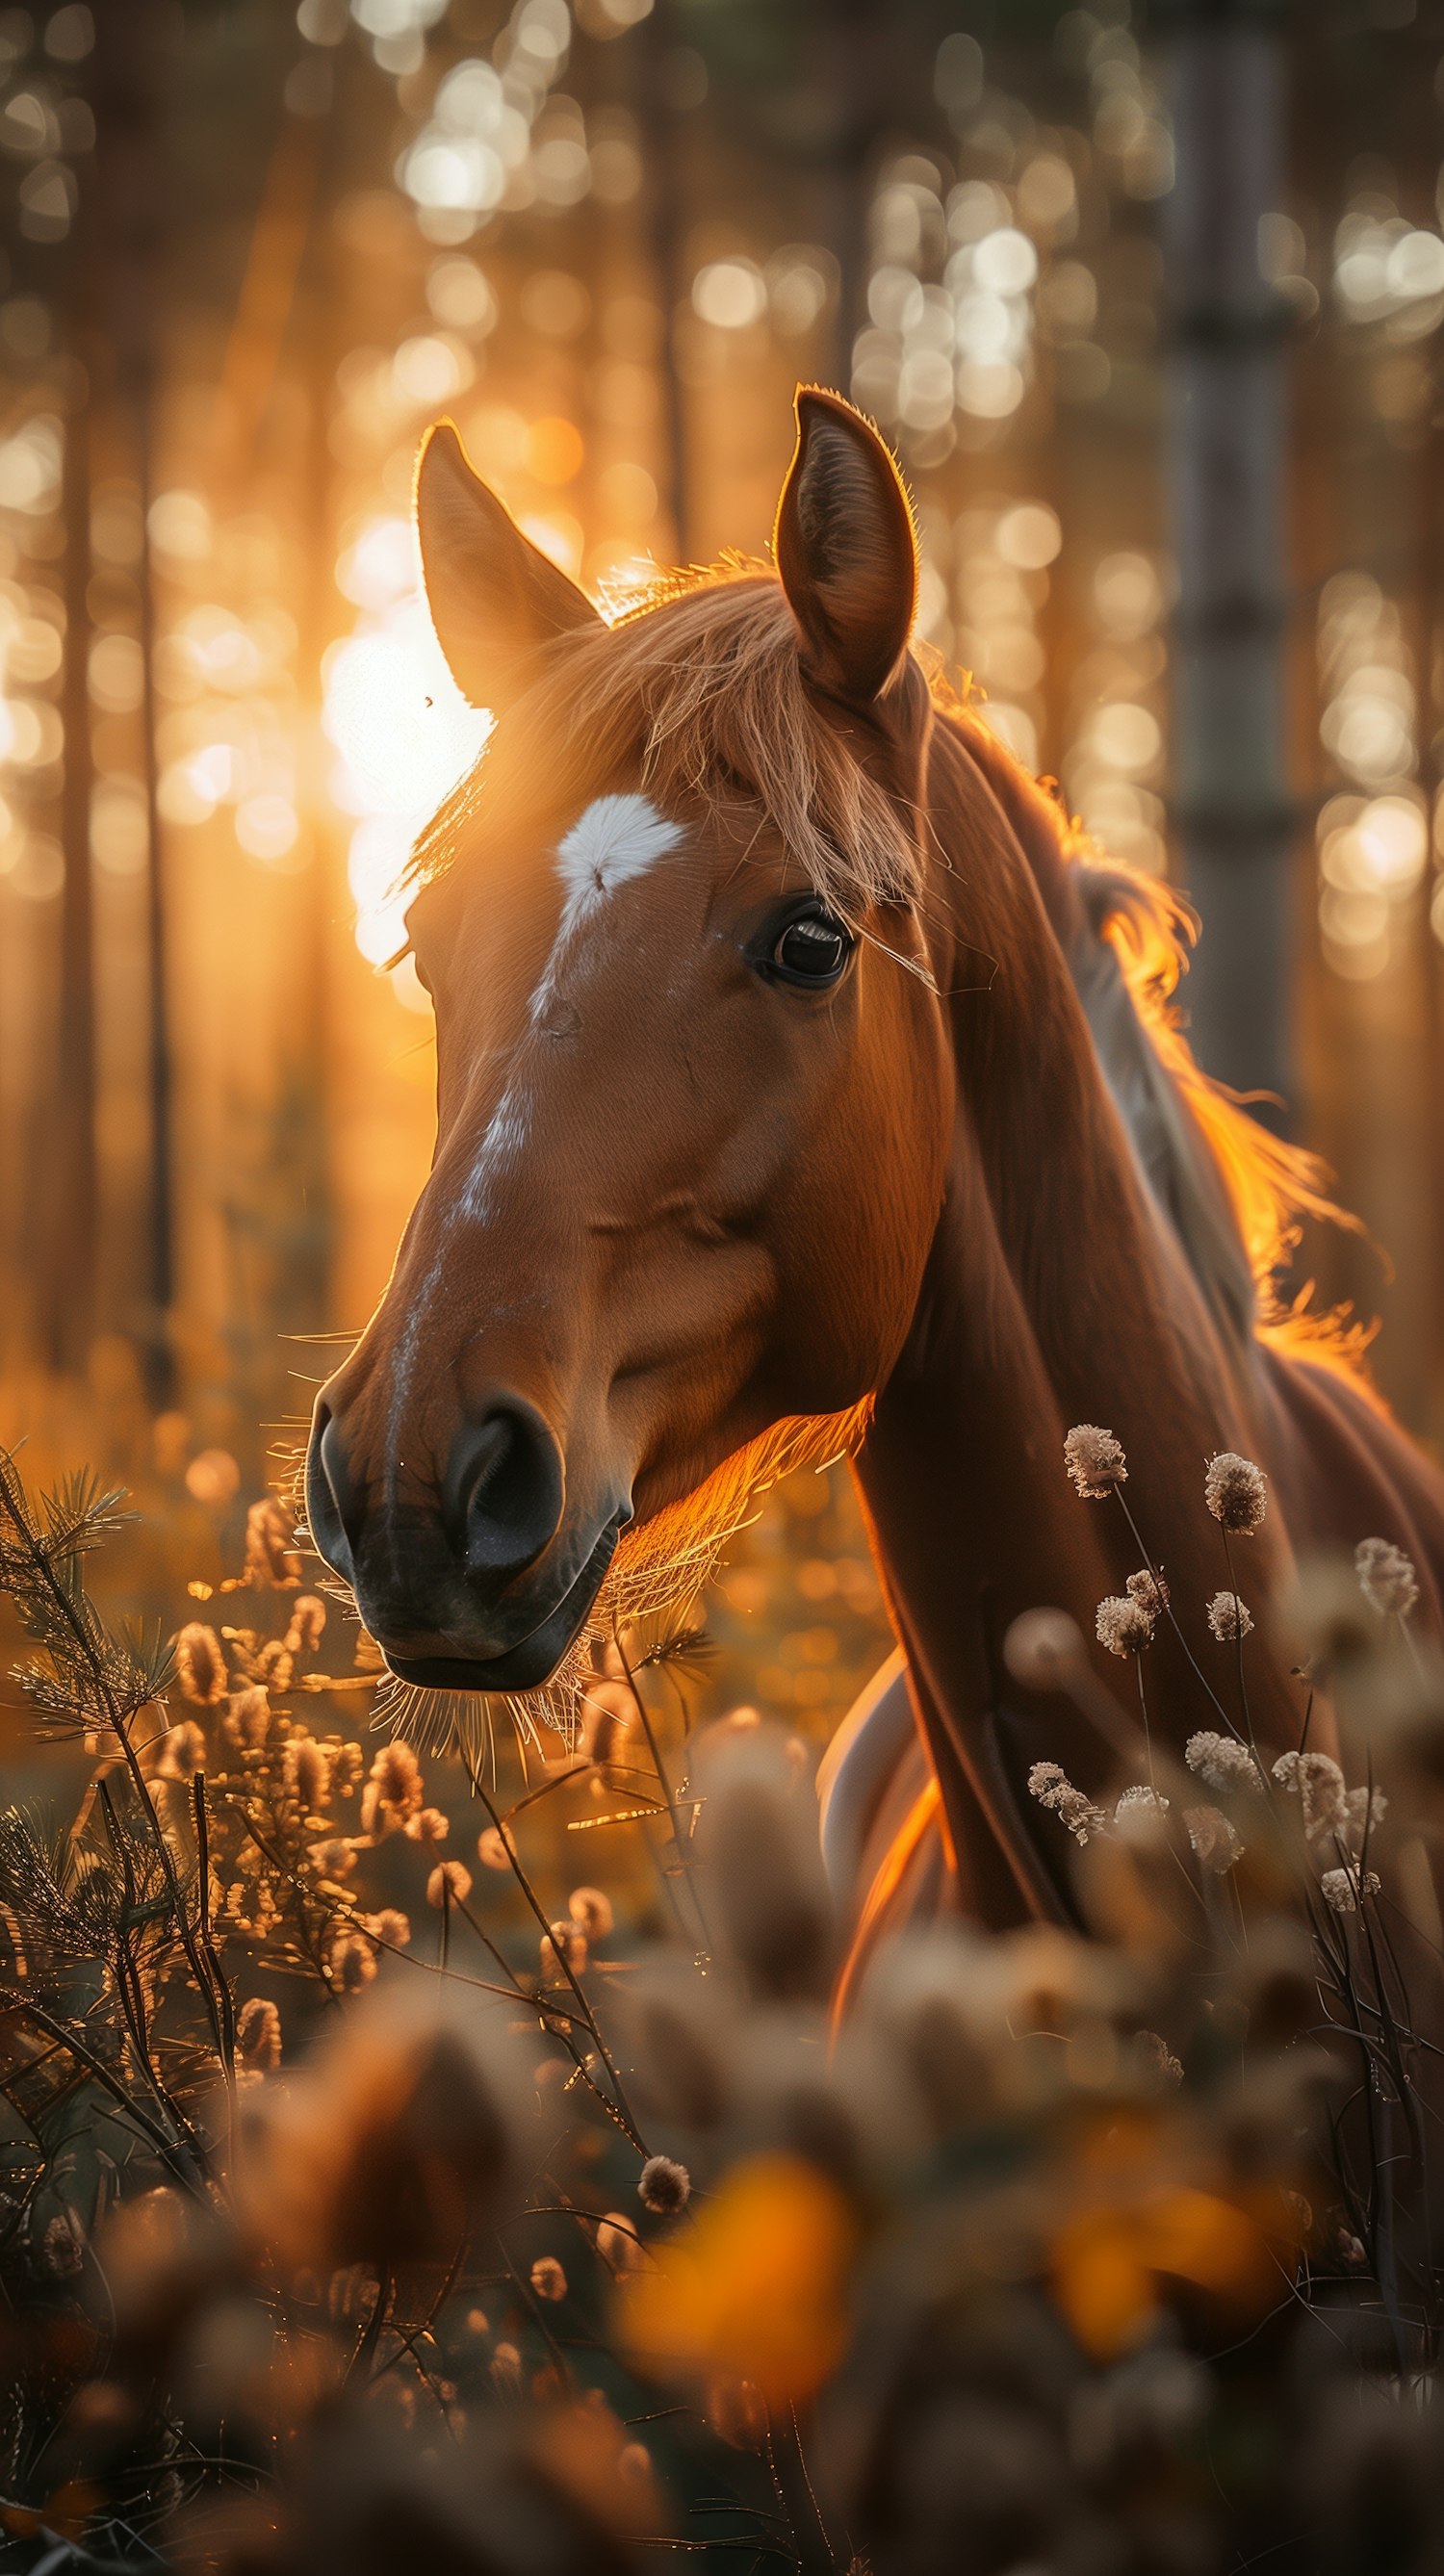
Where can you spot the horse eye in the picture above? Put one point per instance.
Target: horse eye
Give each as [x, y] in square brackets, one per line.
[812, 948]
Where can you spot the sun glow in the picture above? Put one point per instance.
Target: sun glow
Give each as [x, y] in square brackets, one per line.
[402, 732]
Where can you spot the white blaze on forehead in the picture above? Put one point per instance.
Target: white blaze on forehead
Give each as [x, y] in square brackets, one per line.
[613, 841]
[616, 839]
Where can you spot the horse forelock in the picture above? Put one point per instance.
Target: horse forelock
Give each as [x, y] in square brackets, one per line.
[699, 685]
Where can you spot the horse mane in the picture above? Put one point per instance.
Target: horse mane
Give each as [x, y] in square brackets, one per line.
[1237, 1194]
[699, 672]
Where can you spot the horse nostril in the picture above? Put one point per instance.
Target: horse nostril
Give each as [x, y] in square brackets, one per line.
[505, 1490]
[331, 1507]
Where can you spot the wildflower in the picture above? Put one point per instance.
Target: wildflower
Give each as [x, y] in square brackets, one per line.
[592, 1911]
[1138, 1802]
[547, 2277]
[181, 1753]
[271, 1557]
[491, 1849]
[1095, 1461]
[334, 1858]
[1319, 1785]
[1342, 1888]
[1229, 1618]
[248, 1719]
[1236, 1492]
[1221, 1761]
[664, 2186]
[1148, 1588]
[308, 1622]
[391, 1927]
[619, 2245]
[563, 1945]
[449, 1884]
[307, 1770]
[1387, 1577]
[200, 1666]
[1217, 1843]
[1049, 1783]
[258, 2035]
[1042, 1648]
[1123, 1624]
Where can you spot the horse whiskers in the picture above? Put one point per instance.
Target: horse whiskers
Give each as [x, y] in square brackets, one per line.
[664, 1561]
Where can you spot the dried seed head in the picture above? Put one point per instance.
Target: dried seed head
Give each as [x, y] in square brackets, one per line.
[591, 1910]
[180, 1754]
[430, 1826]
[664, 2186]
[1139, 1805]
[1236, 1492]
[505, 2370]
[1229, 1618]
[353, 1962]
[1157, 2059]
[394, 1791]
[200, 1666]
[1095, 1461]
[619, 2245]
[1319, 1785]
[491, 1849]
[1150, 1589]
[308, 1623]
[1049, 1783]
[258, 2035]
[1342, 1888]
[563, 1946]
[449, 1884]
[547, 2277]
[1042, 1648]
[271, 1557]
[333, 1858]
[1124, 1626]
[1216, 1842]
[1363, 1812]
[248, 1718]
[306, 1766]
[1222, 1761]
[1387, 1577]
[390, 1926]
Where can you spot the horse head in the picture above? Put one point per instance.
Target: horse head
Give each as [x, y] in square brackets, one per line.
[694, 1085]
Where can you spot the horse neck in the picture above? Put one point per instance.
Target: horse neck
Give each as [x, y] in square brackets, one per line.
[1053, 1294]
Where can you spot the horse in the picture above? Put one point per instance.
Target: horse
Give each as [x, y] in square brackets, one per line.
[808, 1085]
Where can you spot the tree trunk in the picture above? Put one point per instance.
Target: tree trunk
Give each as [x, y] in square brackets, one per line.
[1232, 808]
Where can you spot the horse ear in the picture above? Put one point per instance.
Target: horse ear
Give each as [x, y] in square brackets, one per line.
[494, 597]
[845, 549]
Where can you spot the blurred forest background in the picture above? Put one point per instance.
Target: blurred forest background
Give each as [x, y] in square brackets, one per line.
[1150, 305]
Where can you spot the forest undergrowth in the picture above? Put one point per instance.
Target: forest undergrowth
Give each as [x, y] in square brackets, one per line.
[466, 2167]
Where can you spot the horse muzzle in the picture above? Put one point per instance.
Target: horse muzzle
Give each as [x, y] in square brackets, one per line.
[477, 1585]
